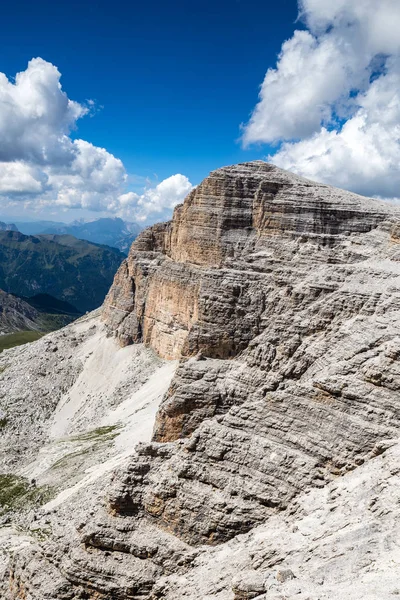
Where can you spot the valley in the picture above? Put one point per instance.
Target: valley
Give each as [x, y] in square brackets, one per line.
[24, 320]
[106, 231]
[71, 270]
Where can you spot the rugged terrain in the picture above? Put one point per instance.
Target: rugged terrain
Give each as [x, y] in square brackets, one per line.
[266, 315]
[7, 226]
[27, 319]
[72, 270]
[16, 314]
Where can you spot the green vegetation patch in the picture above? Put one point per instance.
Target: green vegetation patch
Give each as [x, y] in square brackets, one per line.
[16, 493]
[91, 441]
[17, 339]
[106, 432]
[51, 322]
[77, 272]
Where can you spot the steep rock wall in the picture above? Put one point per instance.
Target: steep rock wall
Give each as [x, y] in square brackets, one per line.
[200, 283]
[282, 298]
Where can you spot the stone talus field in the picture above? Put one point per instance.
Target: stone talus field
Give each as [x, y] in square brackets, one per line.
[273, 464]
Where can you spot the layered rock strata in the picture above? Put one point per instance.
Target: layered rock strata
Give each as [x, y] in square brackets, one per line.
[243, 237]
[281, 297]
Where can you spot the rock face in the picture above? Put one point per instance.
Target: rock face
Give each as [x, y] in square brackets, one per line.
[202, 283]
[16, 315]
[275, 449]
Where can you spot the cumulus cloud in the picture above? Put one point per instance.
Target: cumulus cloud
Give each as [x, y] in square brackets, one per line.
[43, 166]
[334, 97]
[36, 116]
[159, 200]
[93, 180]
[18, 178]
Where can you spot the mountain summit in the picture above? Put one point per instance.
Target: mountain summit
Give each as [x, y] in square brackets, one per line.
[7, 226]
[251, 218]
[228, 426]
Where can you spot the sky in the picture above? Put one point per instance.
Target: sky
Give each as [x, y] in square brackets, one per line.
[120, 109]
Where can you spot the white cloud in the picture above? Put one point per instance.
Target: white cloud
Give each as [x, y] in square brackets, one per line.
[374, 22]
[159, 200]
[36, 116]
[19, 178]
[334, 97]
[42, 166]
[364, 155]
[93, 180]
[298, 95]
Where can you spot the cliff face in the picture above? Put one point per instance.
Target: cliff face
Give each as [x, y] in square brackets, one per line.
[202, 283]
[262, 264]
[281, 298]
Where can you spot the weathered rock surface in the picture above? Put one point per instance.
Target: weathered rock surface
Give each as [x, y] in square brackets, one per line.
[238, 245]
[16, 315]
[272, 471]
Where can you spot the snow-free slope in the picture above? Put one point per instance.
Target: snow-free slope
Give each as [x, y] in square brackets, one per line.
[273, 463]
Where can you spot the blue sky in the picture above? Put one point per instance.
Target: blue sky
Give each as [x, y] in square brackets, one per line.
[170, 85]
[175, 79]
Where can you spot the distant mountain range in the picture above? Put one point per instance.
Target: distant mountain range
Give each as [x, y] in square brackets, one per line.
[113, 232]
[71, 270]
[40, 313]
[8, 226]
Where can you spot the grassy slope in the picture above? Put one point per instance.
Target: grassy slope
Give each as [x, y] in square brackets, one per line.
[73, 270]
[18, 338]
[25, 319]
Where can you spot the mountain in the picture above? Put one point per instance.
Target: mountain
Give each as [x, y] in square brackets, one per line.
[38, 227]
[8, 226]
[48, 304]
[227, 425]
[16, 314]
[25, 320]
[71, 270]
[111, 232]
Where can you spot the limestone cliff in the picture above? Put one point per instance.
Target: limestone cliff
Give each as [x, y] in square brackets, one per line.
[202, 283]
[264, 477]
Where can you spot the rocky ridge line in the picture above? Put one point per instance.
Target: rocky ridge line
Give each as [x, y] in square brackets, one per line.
[282, 299]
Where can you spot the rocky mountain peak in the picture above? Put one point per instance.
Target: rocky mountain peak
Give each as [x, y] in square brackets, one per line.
[7, 226]
[258, 200]
[263, 462]
[193, 284]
